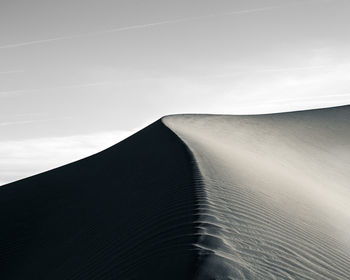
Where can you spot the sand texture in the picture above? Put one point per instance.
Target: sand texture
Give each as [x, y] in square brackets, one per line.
[191, 197]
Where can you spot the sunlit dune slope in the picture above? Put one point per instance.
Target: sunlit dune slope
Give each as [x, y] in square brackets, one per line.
[277, 193]
[191, 197]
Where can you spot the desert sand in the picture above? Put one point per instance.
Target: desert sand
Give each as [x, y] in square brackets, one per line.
[191, 197]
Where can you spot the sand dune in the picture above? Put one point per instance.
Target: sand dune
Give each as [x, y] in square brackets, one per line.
[276, 202]
[125, 213]
[191, 197]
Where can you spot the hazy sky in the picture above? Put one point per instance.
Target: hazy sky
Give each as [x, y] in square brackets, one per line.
[76, 76]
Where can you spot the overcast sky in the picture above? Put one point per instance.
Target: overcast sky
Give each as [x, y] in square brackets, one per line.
[79, 75]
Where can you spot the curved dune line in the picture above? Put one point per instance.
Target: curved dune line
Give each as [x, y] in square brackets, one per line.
[191, 197]
[246, 232]
[128, 212]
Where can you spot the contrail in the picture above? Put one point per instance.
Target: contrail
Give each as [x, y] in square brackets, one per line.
[132, 27]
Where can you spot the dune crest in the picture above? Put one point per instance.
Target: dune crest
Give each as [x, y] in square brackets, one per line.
[277, 195]
[125, 213]
[191, 197]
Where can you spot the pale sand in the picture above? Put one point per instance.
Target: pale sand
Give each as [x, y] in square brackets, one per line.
[191, 197]
[276, 193]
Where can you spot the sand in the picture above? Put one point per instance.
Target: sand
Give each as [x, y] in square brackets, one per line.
[276, 201]
[125, 213]
[191, 197]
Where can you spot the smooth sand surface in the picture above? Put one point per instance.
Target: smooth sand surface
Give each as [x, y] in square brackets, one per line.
[191, 197]
[125, 213]
[277, 193]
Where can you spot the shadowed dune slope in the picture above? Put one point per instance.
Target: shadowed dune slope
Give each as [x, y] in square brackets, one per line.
[276, 193]
[191, 197]
[125, 213]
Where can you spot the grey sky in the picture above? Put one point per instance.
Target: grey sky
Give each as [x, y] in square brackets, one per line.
[82, 67]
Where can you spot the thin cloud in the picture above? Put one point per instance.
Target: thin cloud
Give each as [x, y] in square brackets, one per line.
[22, 158]
[11, 72]
[10, 123]
[312, 98]
[132, 27]
[274, 70]
[20, 122]
[255, 70]
[9, 92]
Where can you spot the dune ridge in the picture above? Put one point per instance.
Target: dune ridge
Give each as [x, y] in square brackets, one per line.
[277, 195]
[191, 197]
[127, 212]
